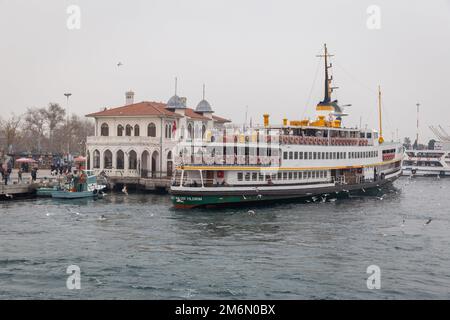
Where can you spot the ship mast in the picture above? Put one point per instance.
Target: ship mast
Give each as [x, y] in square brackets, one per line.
[380, 139]
[328, 79]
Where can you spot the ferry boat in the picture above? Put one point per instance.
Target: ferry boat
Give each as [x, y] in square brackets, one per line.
[303, 159]
[428, 163]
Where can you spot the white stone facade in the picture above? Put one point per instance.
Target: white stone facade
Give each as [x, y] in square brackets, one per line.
[129, 145]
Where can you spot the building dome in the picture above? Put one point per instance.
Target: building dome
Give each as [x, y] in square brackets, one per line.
[176, 103]
[203, 106]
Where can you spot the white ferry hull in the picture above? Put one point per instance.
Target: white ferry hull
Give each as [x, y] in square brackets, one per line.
[186, 198]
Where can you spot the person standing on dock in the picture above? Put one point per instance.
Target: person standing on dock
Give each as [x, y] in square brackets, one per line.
[19, 174]
[6, 177]
[33, 174]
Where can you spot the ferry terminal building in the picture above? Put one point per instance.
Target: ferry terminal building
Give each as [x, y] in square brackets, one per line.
[137, 140]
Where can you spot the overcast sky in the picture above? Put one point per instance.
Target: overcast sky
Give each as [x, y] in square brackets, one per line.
[255, 53]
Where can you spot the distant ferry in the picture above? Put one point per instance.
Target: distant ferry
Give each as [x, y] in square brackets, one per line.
[317, 160]
[426, 163]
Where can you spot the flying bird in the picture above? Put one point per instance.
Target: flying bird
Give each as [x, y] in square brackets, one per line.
[428, 222]
[119, 64]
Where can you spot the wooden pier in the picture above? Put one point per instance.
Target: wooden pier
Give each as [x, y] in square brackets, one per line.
[21, 190]
[147, 184]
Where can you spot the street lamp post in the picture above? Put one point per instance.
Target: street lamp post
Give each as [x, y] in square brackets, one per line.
[68, 95]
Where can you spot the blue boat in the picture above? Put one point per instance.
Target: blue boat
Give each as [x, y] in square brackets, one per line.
[80, 186]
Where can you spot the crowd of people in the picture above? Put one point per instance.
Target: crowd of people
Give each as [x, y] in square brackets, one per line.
[60, 169]
[6, 170]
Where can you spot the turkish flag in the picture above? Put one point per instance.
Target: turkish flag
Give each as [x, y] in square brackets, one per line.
[174, 127]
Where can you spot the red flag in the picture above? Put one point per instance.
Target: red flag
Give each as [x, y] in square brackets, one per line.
[174, 127]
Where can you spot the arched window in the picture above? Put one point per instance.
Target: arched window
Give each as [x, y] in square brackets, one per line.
[151, 130]
[120, 163]
[120, 130]
[166, 135]
[203, 131]
[128, 130]
[136, 131]
[96, 159]
[107, 159]
[104, 132]
[170, 131]
[88, 160]
[132, 160]
[197, 132]
[190, 131]
[169, 164]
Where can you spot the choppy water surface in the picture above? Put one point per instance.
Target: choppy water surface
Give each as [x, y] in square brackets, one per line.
[145, 250]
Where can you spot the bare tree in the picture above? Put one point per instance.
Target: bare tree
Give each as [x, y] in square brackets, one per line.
[54, 115]
[11, 130]
[75, 133]
[35, 120]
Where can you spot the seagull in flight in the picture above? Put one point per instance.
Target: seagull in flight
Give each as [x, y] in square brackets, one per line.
[119, 64]
[428, 222]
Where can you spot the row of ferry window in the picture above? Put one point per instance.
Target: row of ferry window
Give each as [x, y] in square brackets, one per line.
[280, 176]
[295, 155]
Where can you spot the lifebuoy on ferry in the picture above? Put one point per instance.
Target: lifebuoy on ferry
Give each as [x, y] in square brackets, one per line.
[285, 139]
[297, 140]
[300, 140]
[268, 138]
[220, 174]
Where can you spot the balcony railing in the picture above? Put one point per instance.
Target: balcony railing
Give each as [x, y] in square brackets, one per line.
[132, 173]
[227, 160]
[122, 140]
[320, 141]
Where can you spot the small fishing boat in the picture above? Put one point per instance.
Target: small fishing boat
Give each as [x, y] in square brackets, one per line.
[79, 186]
[45, 191]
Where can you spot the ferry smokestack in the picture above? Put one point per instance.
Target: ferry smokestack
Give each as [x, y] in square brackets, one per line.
[266, 119]
[129, 98]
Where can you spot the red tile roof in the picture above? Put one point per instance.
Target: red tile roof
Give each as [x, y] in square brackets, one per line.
[146, 108]
[194, 115]
[219, 119]
[138, 109]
